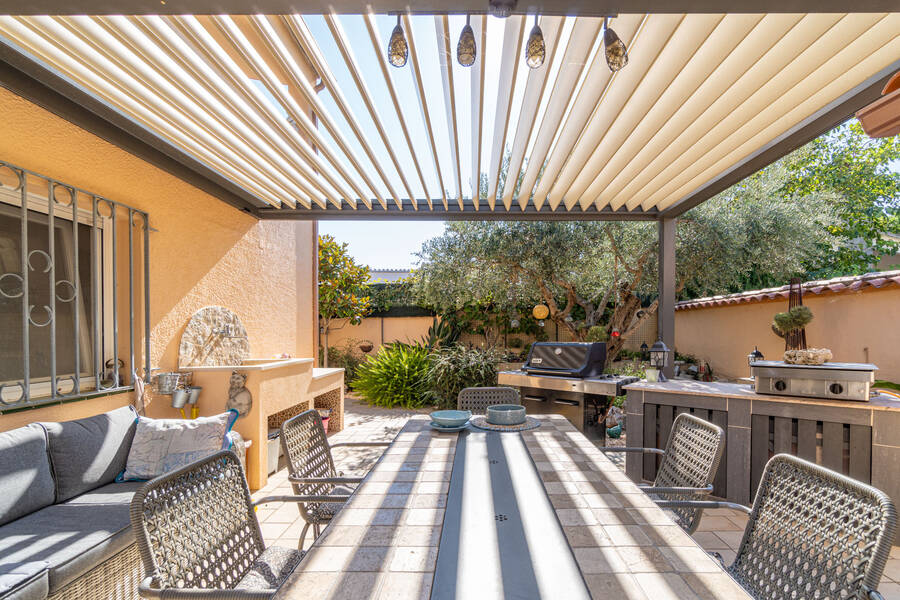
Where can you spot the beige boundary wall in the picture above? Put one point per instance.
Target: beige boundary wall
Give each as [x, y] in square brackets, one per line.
[858, 326]
[379, 331]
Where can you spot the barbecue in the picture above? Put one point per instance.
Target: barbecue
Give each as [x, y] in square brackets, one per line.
[833, 380]
[567, 378]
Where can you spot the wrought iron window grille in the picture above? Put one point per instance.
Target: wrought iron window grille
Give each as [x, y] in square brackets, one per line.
[63, 253]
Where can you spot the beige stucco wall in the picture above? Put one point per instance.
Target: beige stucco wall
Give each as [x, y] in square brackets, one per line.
[395, 329]
[862, 326]
[204, 251]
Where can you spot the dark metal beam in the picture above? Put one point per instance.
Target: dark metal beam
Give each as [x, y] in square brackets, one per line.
[829, 117]
[666, 309]
[29, 78]
[451, 213]
[586, 8]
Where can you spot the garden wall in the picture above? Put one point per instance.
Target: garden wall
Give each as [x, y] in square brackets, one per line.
[379, 331]
[858, 325]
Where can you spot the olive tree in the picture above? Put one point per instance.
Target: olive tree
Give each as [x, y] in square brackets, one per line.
[594, 273]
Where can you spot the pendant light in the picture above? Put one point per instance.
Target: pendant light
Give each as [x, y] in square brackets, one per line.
[398, 49]
[534, 49]
[466, 50]
[616, 52]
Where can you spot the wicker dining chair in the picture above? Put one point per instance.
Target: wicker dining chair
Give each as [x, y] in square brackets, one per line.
[311, 469]
[198, 536]
[689, 465]
[812, 533]
[477, 399]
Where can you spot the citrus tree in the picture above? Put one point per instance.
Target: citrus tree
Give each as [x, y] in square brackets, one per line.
[342, 287]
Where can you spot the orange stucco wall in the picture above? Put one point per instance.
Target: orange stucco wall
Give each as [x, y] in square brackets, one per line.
[862, 326]
[378, 330]
[204, 251]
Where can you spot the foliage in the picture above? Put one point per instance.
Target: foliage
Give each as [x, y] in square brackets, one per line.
[440, 334]
[455, 367]
[596, 334]
[349, 357]
[792, 320]
[384, 296]
[395, 376]
[516, 342]
[632, 368]
[603, 274]
[342, 284]
[860, 176]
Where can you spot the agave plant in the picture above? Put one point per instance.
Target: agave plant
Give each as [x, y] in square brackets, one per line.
[394, 377]
[440, 334]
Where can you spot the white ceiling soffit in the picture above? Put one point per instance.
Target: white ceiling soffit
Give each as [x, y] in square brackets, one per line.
[314, 120]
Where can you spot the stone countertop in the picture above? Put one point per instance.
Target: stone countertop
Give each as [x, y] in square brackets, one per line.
[384, 542]
[744, 390]
[252, 364]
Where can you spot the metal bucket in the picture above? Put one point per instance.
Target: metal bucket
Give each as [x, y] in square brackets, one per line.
[179, 398]
[193, 394]
[166, 383]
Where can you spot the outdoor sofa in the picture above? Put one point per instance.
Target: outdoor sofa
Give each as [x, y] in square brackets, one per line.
[65, 528]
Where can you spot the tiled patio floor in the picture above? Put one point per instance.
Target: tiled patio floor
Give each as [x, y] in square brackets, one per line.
[720, 529]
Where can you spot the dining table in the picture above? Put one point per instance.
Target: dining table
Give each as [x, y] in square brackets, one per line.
[476, 514]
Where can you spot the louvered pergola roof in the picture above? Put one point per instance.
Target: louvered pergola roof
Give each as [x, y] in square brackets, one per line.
[304, 118]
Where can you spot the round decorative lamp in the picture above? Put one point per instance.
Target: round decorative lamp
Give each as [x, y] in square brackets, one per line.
[659, 357]
[540, 312]
[398, 49]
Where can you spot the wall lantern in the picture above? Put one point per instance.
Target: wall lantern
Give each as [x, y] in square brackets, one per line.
[659, 357]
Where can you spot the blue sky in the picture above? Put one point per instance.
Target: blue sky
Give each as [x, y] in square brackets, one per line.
[383, 244]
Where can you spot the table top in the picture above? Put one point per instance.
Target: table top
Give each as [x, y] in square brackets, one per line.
[385, 542]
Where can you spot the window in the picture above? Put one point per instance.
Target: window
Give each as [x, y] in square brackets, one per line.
[72, 269]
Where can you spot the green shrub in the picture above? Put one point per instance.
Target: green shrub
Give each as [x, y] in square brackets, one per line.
[347, 356]
[394, 377]
[453, 368]
[597, 333]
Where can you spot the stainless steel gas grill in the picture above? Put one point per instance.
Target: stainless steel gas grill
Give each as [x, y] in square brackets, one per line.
[566, 378]
[834, 381]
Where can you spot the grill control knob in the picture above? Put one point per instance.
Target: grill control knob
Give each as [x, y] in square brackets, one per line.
[836, 388]
[780, 385]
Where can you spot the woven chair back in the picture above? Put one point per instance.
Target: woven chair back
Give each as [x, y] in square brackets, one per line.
[814, 533]
[308, 454]
[693, 453]
[477, 399]
[195, 527]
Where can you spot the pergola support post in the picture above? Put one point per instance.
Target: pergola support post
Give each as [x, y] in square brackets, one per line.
[666, 308]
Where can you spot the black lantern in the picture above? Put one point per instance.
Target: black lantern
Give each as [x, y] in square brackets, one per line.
[644, 350]
[754, 356]
[659, 357]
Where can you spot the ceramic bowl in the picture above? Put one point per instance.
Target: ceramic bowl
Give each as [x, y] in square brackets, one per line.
[451, 418]
[506, 414]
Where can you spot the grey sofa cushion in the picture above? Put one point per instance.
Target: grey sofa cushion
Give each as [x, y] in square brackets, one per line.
[25, 581]
[72, 537]
[26, 480]
[90, 452]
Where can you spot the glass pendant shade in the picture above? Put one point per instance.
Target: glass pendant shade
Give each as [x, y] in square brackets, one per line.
[616, 52]
[465, 49]
[398, 49]
[535, 50]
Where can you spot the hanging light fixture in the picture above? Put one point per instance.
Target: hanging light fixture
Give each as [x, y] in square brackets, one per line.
[398, 49]
[501, 8]
[465, 49]
[616, 52]
[535, 50]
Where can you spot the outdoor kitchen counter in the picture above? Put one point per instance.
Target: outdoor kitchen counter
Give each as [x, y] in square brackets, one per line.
[446, 515]
[859, 439]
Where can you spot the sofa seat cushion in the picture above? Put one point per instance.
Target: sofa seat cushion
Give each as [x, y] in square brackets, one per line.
[26, 479]
[90, 452]
[270, 570]
[24, 581]
[72, 537]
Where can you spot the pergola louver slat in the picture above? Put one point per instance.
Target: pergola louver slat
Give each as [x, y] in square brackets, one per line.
[143, 110]
[705, 99]
[416, 73]
[308, 44]
[445, 59]
[343, 43]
